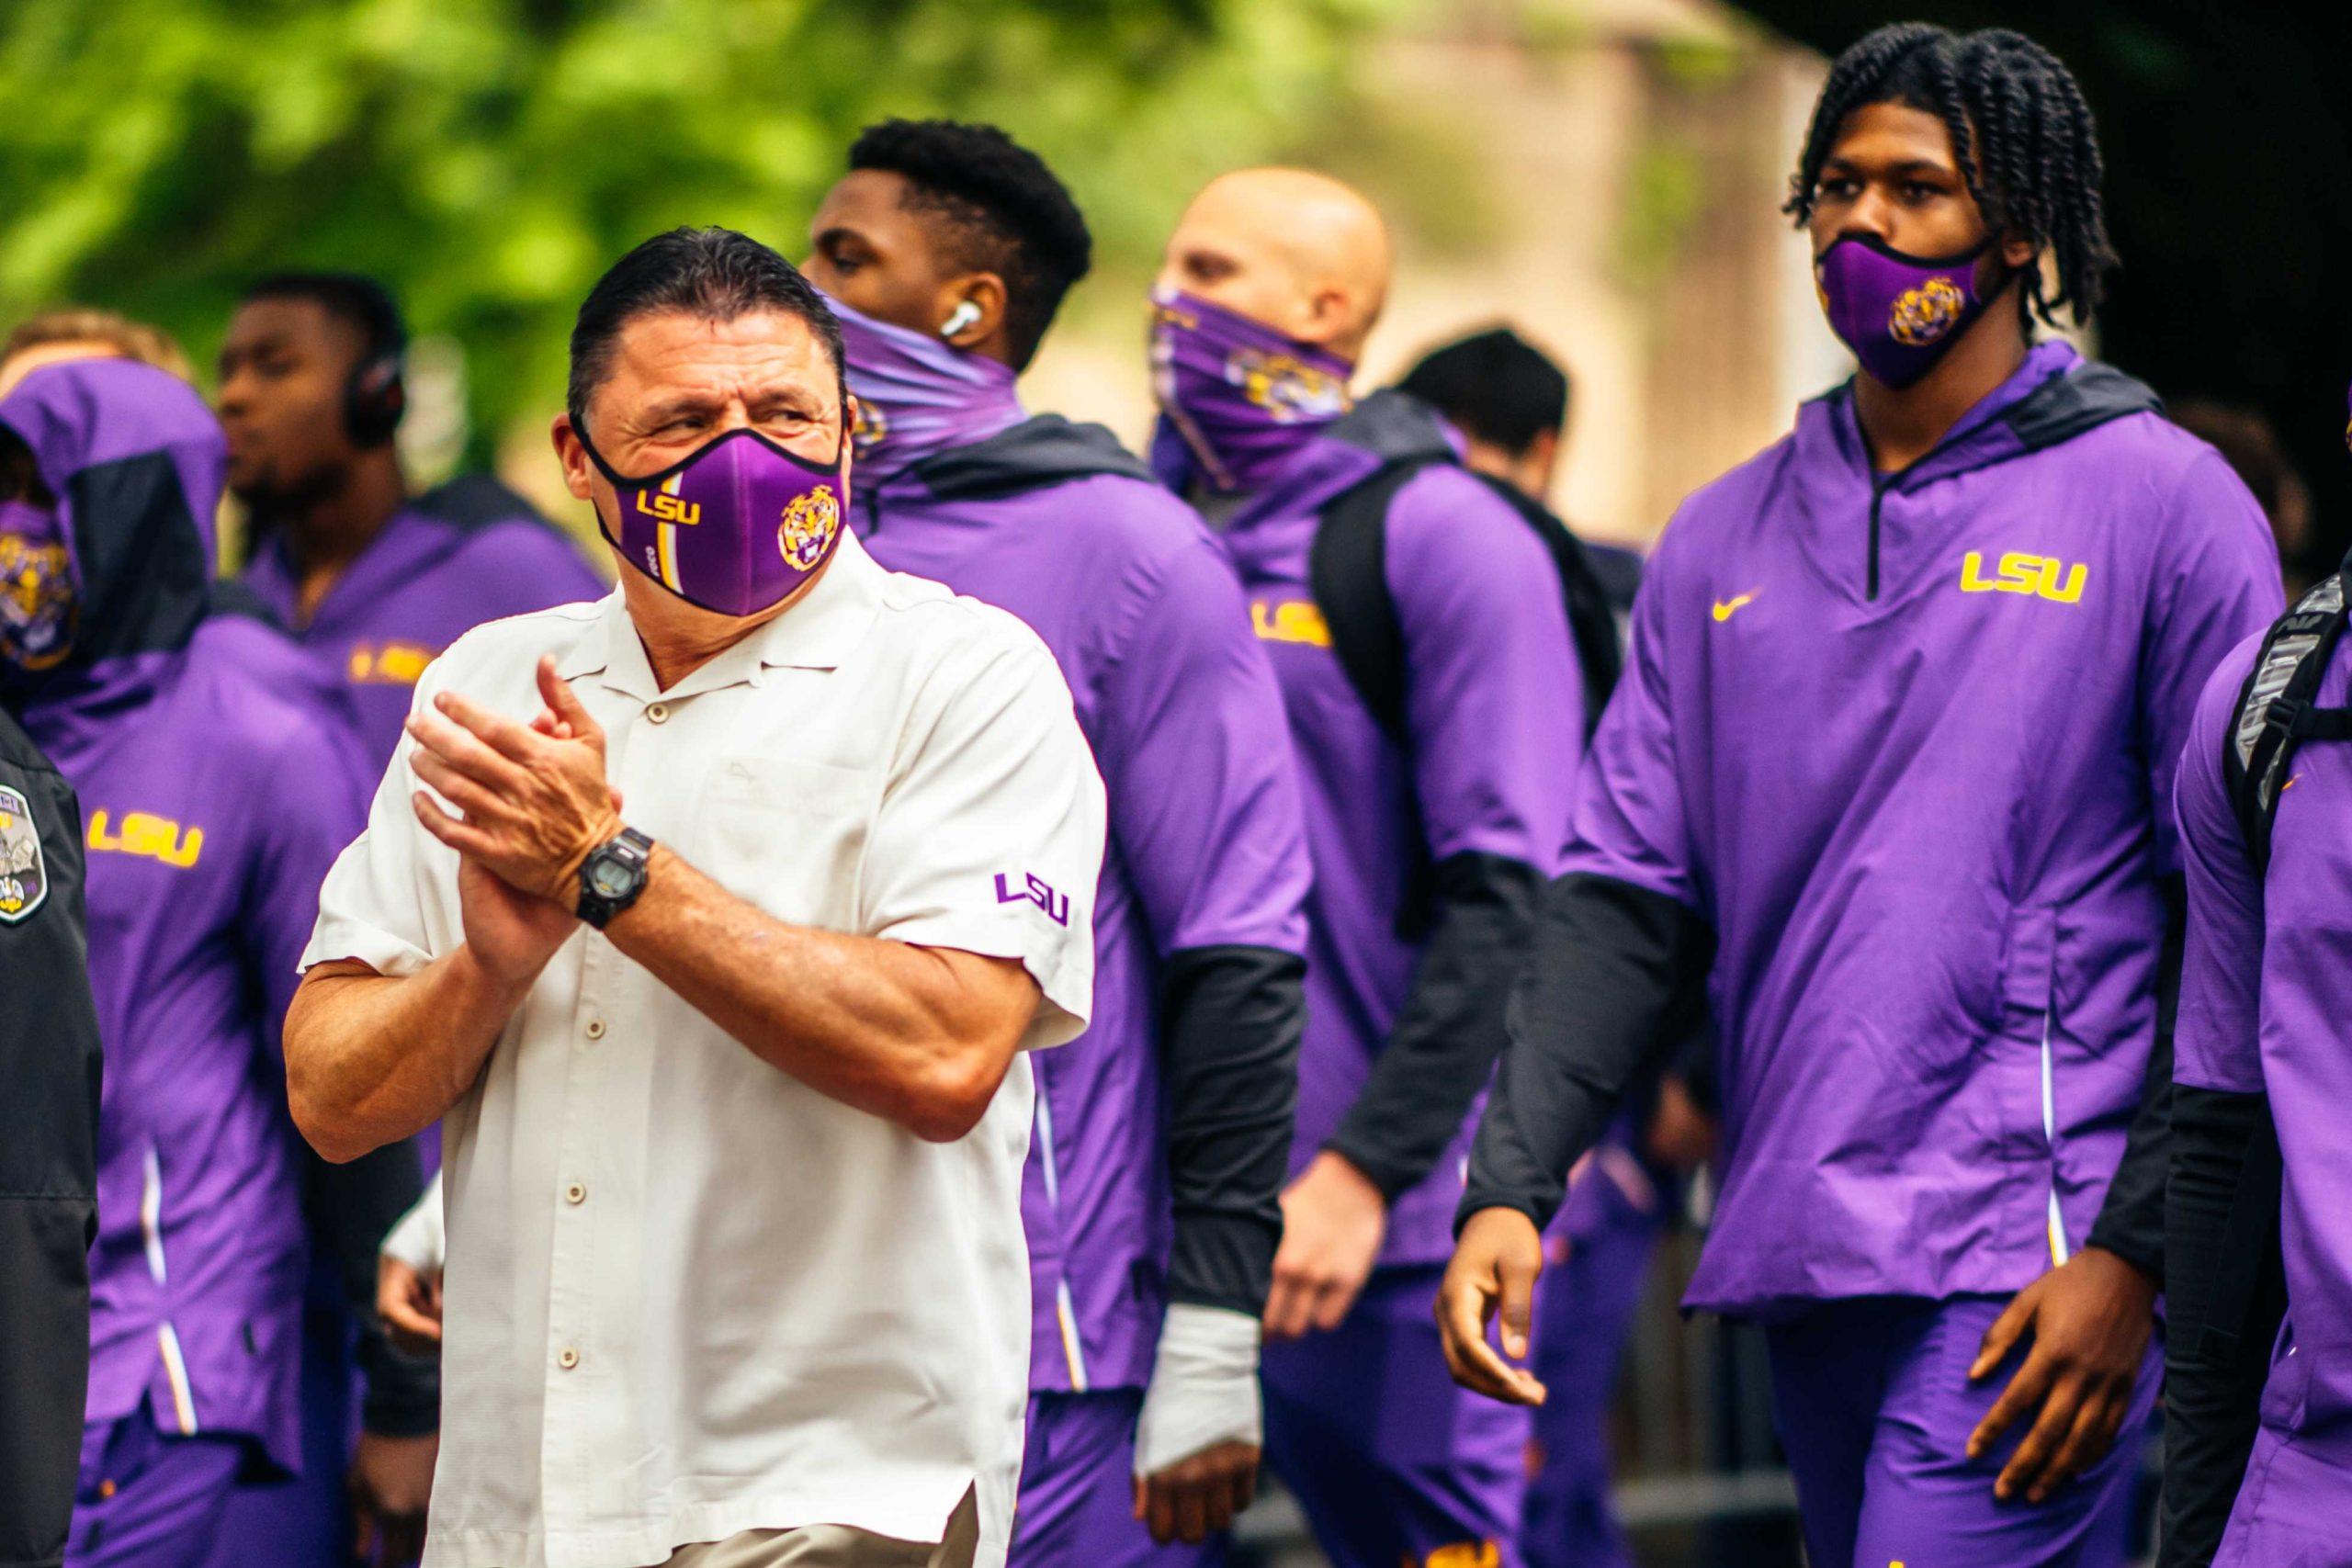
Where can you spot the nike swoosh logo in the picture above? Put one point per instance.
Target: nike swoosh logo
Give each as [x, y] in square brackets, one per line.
[1726, 608]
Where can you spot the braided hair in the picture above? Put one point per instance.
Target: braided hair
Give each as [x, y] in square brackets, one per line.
[2022, 135]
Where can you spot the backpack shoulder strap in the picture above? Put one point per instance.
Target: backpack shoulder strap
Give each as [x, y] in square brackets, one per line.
[2276, 712]
[1592, 623]
[1347, 571]
[1348, 574]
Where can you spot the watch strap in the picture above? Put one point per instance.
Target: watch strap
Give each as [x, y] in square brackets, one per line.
[629, 848]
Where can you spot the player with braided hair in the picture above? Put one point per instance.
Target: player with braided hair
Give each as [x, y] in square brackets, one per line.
[2021, 139]
[1894, 756]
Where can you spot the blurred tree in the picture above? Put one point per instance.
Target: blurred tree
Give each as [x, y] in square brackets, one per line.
[488, 158]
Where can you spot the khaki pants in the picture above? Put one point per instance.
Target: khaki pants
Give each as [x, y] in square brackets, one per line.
[837, 1546]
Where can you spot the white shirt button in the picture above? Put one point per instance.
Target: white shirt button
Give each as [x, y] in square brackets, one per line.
[659, 712]
[595, 1030]
[567, 1358]
[576, 1193]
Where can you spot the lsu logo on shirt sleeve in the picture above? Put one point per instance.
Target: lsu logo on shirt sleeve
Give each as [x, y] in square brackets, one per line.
[1034, 889]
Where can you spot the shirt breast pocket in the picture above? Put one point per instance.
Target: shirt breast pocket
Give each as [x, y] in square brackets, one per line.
[785, 835]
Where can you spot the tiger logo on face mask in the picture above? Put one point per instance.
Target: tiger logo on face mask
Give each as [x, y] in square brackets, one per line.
[1285, 388]
[1924, 315]
[35, 602]
[809, 524]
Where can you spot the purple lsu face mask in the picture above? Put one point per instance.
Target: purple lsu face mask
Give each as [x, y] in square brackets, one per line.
[737, 526]
[1242, 395]
[1900, 314]
[36, 595]
[916, 395]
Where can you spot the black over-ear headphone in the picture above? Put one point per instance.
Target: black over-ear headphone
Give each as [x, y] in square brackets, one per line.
[375, 398]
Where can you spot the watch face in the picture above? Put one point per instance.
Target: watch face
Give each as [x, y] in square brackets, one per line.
[608, 878]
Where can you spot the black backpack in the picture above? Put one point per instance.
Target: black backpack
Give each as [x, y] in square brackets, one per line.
[2276, 712]
[1348, 574]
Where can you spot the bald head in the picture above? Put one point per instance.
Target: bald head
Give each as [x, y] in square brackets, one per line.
[1298, 251]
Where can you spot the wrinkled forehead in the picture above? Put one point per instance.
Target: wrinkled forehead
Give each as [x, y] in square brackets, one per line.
[670, 359]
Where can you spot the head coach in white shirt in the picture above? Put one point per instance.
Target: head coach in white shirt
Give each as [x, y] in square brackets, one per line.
[714, 917]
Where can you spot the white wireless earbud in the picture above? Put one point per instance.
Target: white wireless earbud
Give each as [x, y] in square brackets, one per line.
[963, 316]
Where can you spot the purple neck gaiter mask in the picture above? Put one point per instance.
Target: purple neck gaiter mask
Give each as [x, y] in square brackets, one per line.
[1243, 396]
[736, 526]
[1900, 314]
[916, 395]
[38, 599]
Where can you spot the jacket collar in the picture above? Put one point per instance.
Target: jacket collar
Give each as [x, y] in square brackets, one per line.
[2055, 396]
[1045, 449]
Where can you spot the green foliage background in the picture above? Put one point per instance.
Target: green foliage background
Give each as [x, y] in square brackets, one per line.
[488, 158]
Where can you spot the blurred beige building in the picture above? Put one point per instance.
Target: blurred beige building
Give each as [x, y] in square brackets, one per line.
[1606, 176]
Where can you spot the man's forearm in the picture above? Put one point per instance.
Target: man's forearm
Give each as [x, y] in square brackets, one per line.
[2130, 1220]
[918, 1036]
[2224, 1304]
[1230, 1056]
[1449, 1029]
[1609, 965]
[371, 1059]
[350, 1207]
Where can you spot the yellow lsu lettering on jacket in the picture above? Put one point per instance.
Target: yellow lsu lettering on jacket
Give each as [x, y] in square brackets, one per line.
[2044, 577]
[1291, 620]
[146, 835]
[1463, 1554]
[389, 664]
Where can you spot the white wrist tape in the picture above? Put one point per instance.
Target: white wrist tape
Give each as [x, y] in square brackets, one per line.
[1203, 1387]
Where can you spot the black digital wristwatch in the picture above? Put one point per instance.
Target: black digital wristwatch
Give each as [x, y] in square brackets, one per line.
[613, 875]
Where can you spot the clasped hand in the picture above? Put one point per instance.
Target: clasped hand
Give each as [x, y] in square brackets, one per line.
[533, 796]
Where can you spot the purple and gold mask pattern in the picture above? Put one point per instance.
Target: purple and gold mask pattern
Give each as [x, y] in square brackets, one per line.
[737, 526]
[916, 395]
[1899, 313]
[37, 597]
[1242, 395]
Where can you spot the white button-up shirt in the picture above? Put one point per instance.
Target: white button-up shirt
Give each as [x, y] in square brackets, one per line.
[686, 1294]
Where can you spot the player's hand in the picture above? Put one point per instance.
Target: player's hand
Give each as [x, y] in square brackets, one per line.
[1196, 1497]
[2090, 1319]
[391, 1482]
[534, 796]
[1493, 1271]
[1680, 1136]
[1334, 1220]
[409, 1303]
